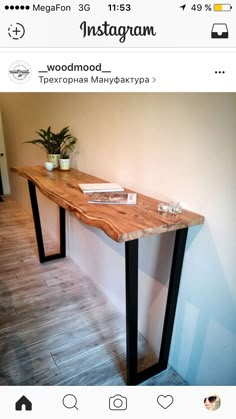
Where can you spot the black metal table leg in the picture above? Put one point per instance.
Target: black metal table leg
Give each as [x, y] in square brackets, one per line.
[62, 220]
[131, 264]
[131, 253]
[175, 276]
[38, 229]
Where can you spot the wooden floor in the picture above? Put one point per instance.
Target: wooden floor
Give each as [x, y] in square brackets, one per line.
[56, 328]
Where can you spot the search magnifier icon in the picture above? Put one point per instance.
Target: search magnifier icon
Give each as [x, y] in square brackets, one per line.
[70, 401]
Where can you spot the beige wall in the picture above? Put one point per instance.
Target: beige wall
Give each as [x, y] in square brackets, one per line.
[170, 146]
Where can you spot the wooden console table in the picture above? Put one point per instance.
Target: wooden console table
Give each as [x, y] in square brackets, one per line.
[122, 223]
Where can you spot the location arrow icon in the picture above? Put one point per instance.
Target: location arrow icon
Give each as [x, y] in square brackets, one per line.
[182, 7]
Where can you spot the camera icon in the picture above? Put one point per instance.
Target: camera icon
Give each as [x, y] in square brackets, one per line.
[117, 402]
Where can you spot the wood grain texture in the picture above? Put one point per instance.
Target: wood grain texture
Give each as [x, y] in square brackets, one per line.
[120, 222]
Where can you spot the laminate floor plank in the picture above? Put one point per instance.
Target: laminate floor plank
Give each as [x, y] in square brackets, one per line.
[94, 340]
[28, 364]
[81, 370]
[62, 373]
[98, 374]
[53, 344]
[39, 329]
[56, 327]
[111, 364]
[35, 317]
[13, 373]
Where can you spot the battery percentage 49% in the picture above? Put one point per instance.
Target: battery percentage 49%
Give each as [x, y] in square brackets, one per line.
[200, 7]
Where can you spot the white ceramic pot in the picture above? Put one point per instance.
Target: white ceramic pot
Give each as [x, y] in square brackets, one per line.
[64, 164]
[54, 158]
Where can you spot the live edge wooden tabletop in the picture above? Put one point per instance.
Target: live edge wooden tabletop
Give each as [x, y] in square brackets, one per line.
[120, 222]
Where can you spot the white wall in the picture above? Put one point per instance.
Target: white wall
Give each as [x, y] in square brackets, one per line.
[3, 162]
[169, 146]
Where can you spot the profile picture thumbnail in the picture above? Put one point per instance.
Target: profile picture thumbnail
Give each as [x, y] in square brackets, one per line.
[212, 402]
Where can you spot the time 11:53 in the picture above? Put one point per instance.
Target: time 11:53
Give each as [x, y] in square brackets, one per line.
[119, 7]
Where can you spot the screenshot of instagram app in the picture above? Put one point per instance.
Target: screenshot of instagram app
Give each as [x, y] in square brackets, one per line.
[117, 208]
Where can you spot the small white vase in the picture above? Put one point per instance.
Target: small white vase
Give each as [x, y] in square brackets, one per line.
[64, 164]
[54, 158]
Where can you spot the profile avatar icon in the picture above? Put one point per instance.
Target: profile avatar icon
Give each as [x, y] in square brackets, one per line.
[212, 402]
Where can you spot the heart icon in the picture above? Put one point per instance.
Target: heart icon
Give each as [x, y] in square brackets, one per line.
[165, 401]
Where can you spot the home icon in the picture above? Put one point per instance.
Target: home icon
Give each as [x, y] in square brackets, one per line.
[23, 403]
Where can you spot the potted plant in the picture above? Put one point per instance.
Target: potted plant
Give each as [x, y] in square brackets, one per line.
[67, 146]
[54, 143]
[64, 160]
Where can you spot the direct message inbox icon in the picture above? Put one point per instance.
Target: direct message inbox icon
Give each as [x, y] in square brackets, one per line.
[19, 72]
[219, 30]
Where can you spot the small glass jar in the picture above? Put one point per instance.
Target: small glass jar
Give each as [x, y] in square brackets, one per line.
[163, 207]
[175, 207]
[170, 208]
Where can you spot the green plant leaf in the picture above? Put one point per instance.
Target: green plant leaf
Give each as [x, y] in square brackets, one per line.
[55, 143]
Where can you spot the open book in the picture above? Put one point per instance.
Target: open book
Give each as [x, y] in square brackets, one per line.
[113, 198]
[100, 187]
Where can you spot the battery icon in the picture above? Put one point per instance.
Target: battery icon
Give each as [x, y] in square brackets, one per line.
[222, 7]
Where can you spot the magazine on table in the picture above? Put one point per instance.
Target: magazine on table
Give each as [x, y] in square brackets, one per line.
[126, 198]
